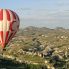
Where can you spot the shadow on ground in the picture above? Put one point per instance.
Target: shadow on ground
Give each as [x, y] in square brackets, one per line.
[9, 64]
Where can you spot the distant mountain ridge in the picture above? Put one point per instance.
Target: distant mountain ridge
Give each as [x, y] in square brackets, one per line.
[31, 30]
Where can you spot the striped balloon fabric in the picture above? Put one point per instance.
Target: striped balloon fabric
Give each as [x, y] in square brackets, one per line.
[9, 25]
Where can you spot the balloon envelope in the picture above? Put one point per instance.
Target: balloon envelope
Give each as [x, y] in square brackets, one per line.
[9, 25]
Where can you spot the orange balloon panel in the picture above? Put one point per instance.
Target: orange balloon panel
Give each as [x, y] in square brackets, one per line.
[9, 25]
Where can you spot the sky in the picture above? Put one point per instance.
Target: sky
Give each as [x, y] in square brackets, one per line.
[40, 13]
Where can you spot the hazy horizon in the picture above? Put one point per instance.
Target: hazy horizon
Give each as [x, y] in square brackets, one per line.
[60, 27]
[43, 23]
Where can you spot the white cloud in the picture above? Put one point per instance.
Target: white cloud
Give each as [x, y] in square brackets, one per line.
[57, 17]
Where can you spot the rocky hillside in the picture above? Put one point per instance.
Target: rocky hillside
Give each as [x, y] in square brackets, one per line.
[44, 46]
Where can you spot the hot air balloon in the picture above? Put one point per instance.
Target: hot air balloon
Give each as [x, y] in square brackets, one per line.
[9, 25]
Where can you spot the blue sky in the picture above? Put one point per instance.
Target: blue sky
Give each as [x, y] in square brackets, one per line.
[40, 13]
